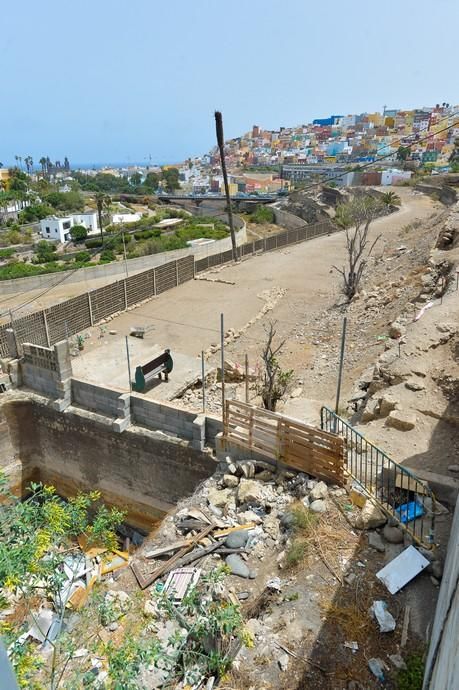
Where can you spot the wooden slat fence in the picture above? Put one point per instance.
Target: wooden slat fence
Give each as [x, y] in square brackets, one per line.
[302, 447]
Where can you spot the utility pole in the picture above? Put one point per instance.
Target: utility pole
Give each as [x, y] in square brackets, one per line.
[221, 146]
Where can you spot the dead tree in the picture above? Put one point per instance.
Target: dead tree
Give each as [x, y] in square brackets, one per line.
[356, 216]
[274, 382]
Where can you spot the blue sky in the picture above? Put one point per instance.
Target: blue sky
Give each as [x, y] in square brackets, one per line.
[110, 80]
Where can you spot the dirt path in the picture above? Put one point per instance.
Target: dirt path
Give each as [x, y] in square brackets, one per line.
[187, 319]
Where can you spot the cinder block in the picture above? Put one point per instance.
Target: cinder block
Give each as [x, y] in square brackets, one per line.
[120, 425]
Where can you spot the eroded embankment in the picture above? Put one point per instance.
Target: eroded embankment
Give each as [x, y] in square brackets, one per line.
[74, 451]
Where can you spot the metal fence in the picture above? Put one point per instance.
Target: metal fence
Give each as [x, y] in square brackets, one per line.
[267, 244]
[397, 490]
[60, 321]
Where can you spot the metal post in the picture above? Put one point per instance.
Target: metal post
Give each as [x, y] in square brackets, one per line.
[125, 259]
[203, 375]
[45, 322]
[222, 340]
[246, 378]
[341, 362]
[128, 363]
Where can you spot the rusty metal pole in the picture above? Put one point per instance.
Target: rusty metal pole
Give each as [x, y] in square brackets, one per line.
[341, 363]
[221, 147]
[222, 340]
[203, 376]
[246, 378]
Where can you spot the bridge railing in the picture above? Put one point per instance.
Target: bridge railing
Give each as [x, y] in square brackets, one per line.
[397, 490]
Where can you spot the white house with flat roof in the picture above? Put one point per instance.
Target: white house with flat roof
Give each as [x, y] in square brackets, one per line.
[58, 229]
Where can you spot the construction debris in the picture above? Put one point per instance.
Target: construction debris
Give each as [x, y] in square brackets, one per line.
[402, 569]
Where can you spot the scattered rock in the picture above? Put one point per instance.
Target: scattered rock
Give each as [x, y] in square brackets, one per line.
[318, 506]
[271, 527]
[414, 385]
[396, 330]
[387, 403]
[247, 469]
[319, 491]
[219, 498]
[283, 661]
[113, 626]
[237, 540]
[397, 661]
[249, 516]
[375, 541]
[371, 410]
[453, 468]
[250, 492]
[403, 421]
[238, 567]
[230, 481]
[242, 596]
[394, 535]
[370, 517]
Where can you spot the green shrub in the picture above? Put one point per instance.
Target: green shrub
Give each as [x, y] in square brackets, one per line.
[6, 253]
[107, 255]
[78, 233]
[262, 214]
[296, 553]
[82, 257]
[412, 677]
[93, 243]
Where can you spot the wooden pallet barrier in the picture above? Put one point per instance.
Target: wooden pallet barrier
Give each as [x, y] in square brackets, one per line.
[297, 445]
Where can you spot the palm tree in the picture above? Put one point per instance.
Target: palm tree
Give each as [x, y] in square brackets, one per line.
[103, 204]
[42, 162]
[28, 160]
[391, 199]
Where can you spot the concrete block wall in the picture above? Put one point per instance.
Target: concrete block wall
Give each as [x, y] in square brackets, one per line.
[41, 371]
[99, 398]
[162, 417]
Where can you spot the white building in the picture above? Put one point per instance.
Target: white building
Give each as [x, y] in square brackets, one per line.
[58, 229]
[125, 218]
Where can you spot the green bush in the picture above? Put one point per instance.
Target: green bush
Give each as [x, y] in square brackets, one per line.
[107, 255]
[82, 257]
[93, 243]
[262, 214]
[78, 233]
[45, 251]
[6, 253]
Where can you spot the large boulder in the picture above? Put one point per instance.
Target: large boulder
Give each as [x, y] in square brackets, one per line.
[219, 498]
[403, 421]
[387, 403]
[250, 492]
[319, 491]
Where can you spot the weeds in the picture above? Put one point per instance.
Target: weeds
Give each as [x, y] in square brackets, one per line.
[412, 677]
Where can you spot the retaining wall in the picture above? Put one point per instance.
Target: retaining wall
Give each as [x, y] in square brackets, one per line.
[117, 268]
[75, 451]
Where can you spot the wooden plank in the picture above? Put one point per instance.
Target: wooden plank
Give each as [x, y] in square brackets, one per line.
[146, 581]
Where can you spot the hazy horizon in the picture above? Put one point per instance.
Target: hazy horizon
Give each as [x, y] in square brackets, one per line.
[96, 83]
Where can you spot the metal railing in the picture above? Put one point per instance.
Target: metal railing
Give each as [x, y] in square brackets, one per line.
[396, 490]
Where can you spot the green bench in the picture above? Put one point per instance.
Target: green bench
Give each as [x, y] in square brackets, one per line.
[159, 365]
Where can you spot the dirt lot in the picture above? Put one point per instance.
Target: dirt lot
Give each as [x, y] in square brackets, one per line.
[297, 282]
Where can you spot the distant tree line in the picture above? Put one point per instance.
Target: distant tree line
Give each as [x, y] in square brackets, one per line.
[167, 179]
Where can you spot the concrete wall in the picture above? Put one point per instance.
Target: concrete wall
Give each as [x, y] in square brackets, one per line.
[47, 370]
[288, 220]
[442, 666]
[75, 451]
[104, 400]
[117, 269]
